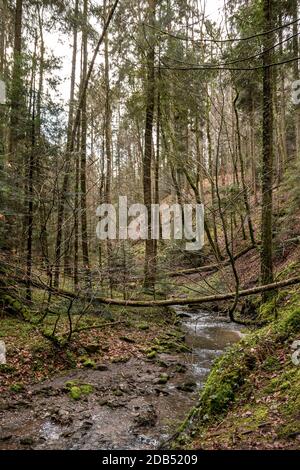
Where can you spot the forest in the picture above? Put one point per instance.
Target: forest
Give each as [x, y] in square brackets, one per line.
[149, 225]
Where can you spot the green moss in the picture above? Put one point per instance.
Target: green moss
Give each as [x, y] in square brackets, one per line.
[163, 379]
[152, 354]
[170, 342]
[118, 359]
[143, 326]
[15, 307]
[260, 414]
[6, 368]
[271, 363]
[226, 377]
[180, 368]
[289, 430]
[75, 392]
[89, 364]
[291, 322]
[70, 383]
[86, 389]
[17, 387]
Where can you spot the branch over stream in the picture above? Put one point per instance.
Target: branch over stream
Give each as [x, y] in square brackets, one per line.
[168, 302]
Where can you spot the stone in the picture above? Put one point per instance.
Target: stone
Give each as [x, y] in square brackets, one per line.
[187, 386]
[92, 348]
[101, 367]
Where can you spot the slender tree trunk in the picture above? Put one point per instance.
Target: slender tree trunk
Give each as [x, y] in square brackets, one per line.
[68, 231]
[149, 269]
[267, 155]
[16, 89]
[30, 177]
[76, 212]
[244, 186]
[3, 23]
[108, 143]
[66, 176]
[252, 151]
[213, 241]
[83, 207]
[296, 72]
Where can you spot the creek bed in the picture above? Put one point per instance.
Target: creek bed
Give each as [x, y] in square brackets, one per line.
[129, 408]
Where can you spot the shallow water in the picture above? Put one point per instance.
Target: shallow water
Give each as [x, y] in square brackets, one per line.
[208, 335]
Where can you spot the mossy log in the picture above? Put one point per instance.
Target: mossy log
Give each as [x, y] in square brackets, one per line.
[12, 306]
[168, 302]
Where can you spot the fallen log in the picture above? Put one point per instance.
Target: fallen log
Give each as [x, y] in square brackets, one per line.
[210, 267]
[167, 302]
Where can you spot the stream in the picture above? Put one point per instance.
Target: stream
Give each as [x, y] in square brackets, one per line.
[129, 408]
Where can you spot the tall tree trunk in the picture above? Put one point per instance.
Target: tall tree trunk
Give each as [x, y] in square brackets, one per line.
[68, 230]
[30, 176]
[16, 88]
[83, 207]
[108, 142]
[214, 243]
[149, 268]
[267, 154]
[296, 72]
[76, 213]
[244, 186]
[66, 177]
[3, 20]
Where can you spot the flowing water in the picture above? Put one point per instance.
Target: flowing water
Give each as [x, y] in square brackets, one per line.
[129, 408]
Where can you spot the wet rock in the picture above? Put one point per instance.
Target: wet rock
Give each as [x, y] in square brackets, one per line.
[27, 441]
[62, 417]
[127, 339]
[189, 386]
[5, 437]
[92, 348]
[120, 359]
[46, 391]
[147, 417]
[180, 368]
[115, 403]
[161, 391]
[101, 367]
[87, 425]
[183, 315]
[163, 379]
[102, 402]
[162, 364]
[4, 406]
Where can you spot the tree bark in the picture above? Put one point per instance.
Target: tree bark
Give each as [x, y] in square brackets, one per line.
[149, 268]
[267, 154]
[83, 208]
[16, 92]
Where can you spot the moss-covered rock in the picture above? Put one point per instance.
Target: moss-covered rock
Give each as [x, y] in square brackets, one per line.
[89, 364]
[163, 379]
[17, 387]
[75, 392]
